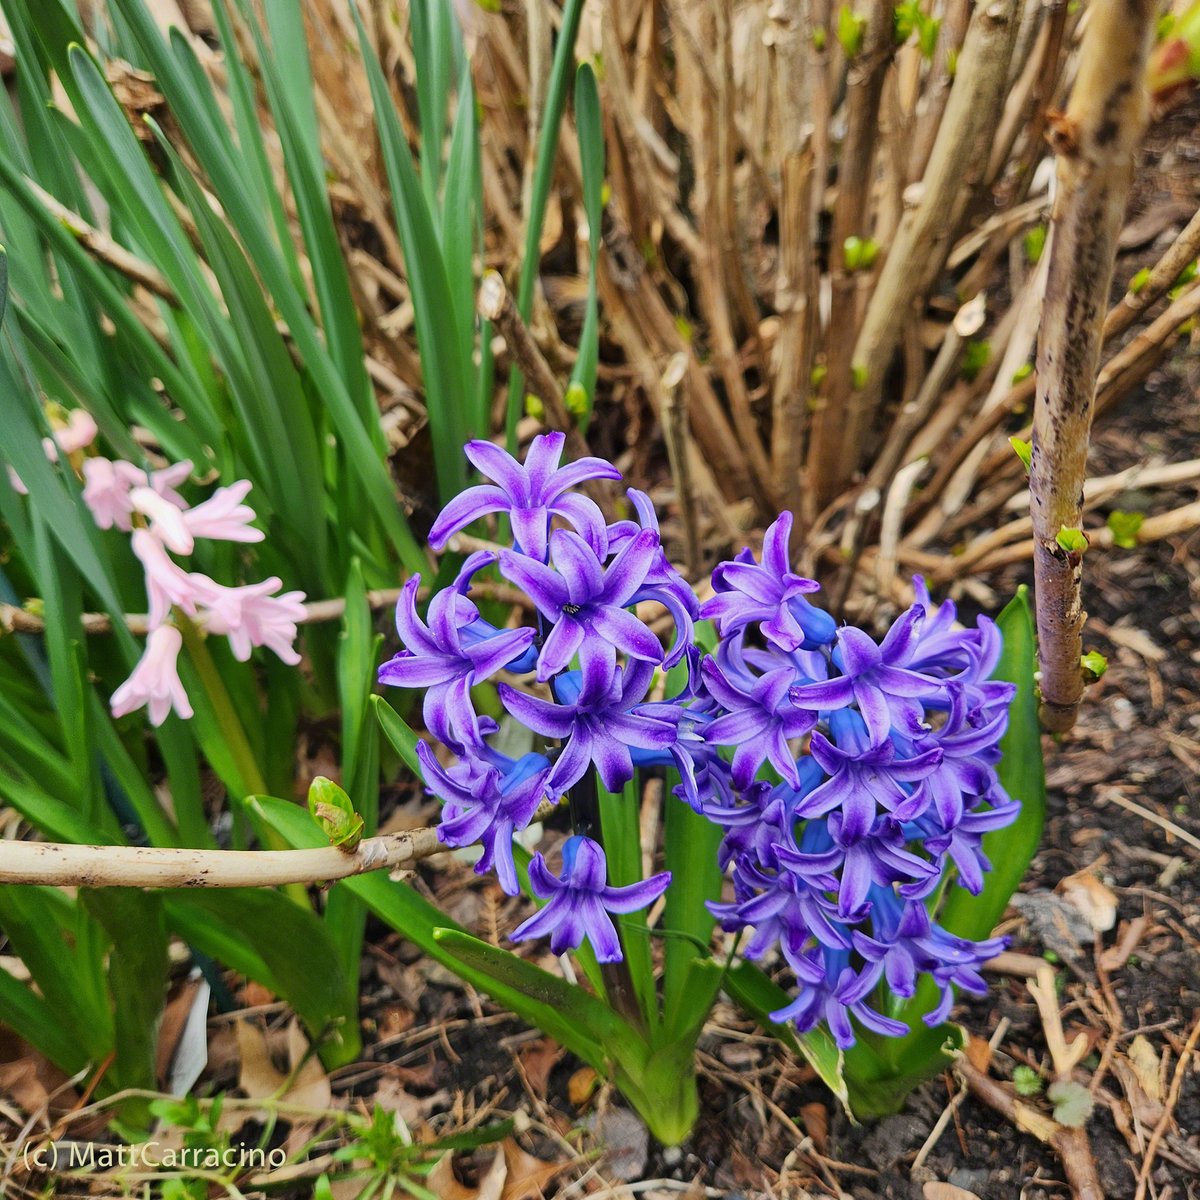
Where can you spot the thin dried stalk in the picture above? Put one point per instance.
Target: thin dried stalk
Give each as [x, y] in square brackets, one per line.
[937, 88]
[713, 284]
[1183, 250]
[927, 232]
[831, 450]
[796, 280]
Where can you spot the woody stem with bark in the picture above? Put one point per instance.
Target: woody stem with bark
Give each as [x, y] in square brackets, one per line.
[1095, 141]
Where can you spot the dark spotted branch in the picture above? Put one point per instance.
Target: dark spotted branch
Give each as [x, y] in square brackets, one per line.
[1095, 139]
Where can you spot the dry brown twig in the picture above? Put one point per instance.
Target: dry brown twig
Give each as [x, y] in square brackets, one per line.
[68, 865]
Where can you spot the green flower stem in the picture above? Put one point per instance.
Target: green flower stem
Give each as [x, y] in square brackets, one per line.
[583, 800]
[251, 777]
[252, 781]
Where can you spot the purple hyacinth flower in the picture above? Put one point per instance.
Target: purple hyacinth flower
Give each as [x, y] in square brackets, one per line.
[760, 721]
[879, 857]
[436, 656]
[586, 601]
[663, 584]
[598, 724]
[770, 593]
[484, 804]
[530, 493]
[963, 844]
[581, 899]
[863, 778]
[787, 909]
[875, 678]
[832, 989]
[907, 943]
[944, 644]
[966, 769]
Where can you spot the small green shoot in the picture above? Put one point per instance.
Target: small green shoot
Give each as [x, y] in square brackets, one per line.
[330, 805]
[1026, 1081]
[1124, 527]
[1073, 541]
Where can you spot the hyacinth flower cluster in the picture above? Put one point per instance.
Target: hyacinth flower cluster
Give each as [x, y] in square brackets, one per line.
[835, 859]
[161, 524]
[853, 779]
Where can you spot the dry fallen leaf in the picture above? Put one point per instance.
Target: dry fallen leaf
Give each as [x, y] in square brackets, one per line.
[526, 1175]
[1147, 1065]
[257, 1074]
[581, 1086]
[979, 1053]
[815, 1118]
[539, 1059]
[1093, 899]
[444, 1184]
[934, 1190]
[309, 1087]
[20, 1081]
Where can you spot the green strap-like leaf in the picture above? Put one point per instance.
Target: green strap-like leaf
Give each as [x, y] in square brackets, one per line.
[590, 127]
[397, 731]
[1023, 777]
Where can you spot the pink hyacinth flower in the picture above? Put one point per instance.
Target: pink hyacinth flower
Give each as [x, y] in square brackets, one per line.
[166, 582]
[106, 488]
[223, 516]
[249, 616]
[155, 679]
[108, 484]
[165, 481]
[79, 431]
[166, 519]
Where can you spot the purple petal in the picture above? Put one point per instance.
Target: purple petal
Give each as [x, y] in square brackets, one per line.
[409, 626]
[901, 640]
[576, 561]
[584, 863]
[734, 728]
[573, 761]
[635, 896]
[409, 671]
[575, 473]
[775, 545]
[753, 581]
[491, 655]
[613, 762]
[829, 694]
[543, 881]
[559, 647]
[551, 720]
[896, 681]
[628, 570]
[859, 652]
[542, 459]
[500, 467]
[600, 931]
[642, 732]
[585, 515]
[465, 508]
[530, 527]
[875, 712]
[626, 632]
[543, 585]
[539, 925]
